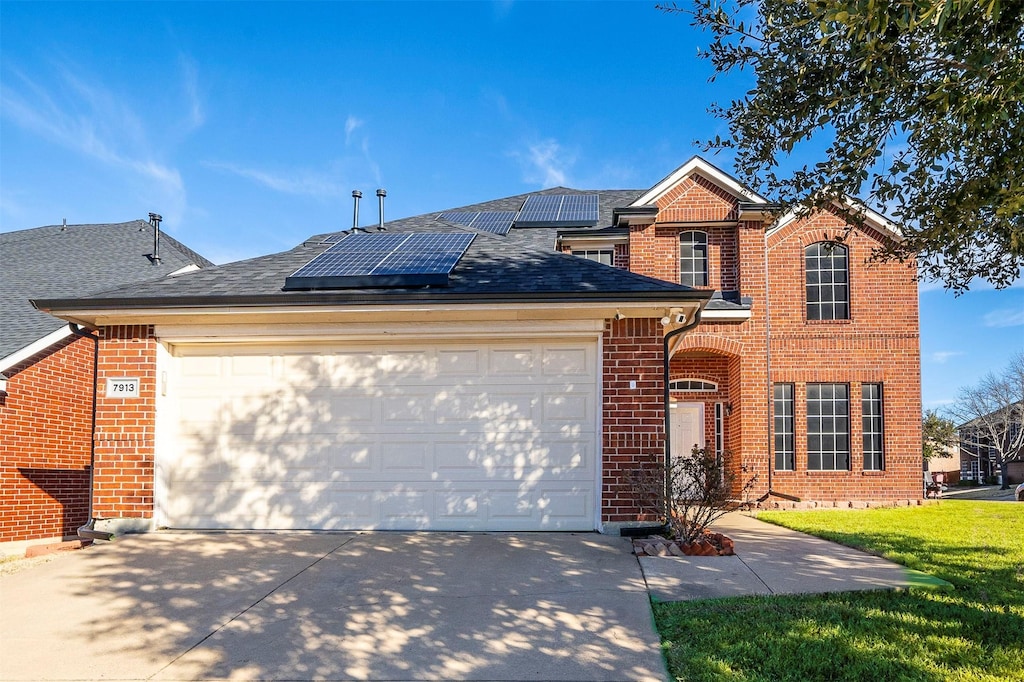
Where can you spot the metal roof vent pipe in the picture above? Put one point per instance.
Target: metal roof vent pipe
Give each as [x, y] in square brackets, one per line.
[381, 193]
[154, 220]
[356, 196]
[64, 225]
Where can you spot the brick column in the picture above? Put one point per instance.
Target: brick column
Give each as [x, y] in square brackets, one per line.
[125, 427]
[633, 418]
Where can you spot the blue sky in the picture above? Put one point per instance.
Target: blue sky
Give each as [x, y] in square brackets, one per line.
[247, 125]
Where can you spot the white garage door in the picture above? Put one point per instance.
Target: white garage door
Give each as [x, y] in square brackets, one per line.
[488, 436]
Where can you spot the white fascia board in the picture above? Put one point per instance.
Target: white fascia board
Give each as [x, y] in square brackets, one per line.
[35, 347]
[191, 267]
[366, 331]
[871, 217]
[593, 243]
[699, 165]
[724, 315]
[285, 313]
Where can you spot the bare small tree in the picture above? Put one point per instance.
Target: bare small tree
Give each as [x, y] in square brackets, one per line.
[690, 492]
[991, 416]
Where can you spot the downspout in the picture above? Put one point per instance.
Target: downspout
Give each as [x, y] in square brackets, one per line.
[88, 531]
[771, 386]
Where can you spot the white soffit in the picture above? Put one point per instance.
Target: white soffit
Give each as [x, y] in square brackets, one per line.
[699, 165]
[34, 347]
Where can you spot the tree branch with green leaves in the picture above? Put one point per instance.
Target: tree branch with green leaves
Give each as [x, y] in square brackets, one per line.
[920, 104]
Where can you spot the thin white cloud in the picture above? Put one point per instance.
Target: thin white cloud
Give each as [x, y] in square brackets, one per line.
[1004, 317]
[88, 119]
[351, 124]
[941, 357]
[190, 85]
[545, 163]
[300, 182]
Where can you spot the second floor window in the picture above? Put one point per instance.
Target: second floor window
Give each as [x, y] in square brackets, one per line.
[693, 258]
[828, 289]
[602, 256]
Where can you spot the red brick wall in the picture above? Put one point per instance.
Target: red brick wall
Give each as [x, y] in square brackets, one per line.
[696, 199]
[879, 344]
[45, 423]
[125, 427]
[633, 418]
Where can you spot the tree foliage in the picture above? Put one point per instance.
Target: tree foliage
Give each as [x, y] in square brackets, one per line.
[920, 104]
[991, 416]
[938, 435]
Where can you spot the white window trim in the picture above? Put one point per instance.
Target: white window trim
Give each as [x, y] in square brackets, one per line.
[673, 385]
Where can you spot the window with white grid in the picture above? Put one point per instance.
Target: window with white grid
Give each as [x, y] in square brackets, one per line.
[828, 427]
[602, 256]
[693, 258]
[828, 288]
[871, 420]
[783, 422]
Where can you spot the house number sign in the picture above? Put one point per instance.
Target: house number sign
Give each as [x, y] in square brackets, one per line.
[123, 387]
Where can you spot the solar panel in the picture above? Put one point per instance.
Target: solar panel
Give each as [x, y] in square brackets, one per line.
[498, 222]
[460, 217]
[582, 207]
[539, 209]
[383, 260]
[559, 210]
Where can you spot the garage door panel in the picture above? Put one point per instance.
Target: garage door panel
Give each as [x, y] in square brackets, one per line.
[479, 436]
[512, 362]
[405, 457]
[561, 362]
[460, 362]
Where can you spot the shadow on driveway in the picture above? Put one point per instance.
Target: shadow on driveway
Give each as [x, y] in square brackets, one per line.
[395, 606]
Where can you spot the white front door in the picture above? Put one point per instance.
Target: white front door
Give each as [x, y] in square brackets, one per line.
[687, 424]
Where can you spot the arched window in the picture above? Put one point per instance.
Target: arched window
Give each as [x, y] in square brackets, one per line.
[692, 385]
[693, 258]
[828, 282]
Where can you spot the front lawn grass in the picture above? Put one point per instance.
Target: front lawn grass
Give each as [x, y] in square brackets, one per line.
[973, 632]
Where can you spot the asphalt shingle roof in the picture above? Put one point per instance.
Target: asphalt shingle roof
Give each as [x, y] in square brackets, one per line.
[54, 262]
[521, 265]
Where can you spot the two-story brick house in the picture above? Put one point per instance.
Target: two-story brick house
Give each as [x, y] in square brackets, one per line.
[805, 368]
[475, 369]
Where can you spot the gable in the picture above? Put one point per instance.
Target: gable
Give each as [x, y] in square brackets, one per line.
[875, 225]
[697, 199]
[712, 177]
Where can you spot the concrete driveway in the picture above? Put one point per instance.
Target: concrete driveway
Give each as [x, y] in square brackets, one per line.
[375, 606]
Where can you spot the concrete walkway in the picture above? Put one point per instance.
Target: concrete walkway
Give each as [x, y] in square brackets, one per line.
[774, 560]
[336, 606]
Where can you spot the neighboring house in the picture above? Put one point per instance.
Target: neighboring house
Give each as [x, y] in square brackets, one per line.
[948, 465]
[979, 460]
[46, 369]
[352, 382]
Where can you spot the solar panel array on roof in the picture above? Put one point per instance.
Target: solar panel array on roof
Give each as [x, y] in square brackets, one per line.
[559, 210]
[383, 260]
[498, 222]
